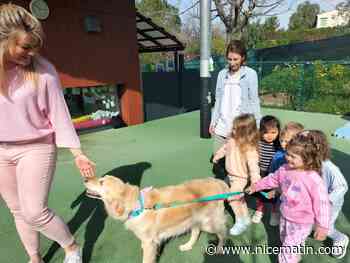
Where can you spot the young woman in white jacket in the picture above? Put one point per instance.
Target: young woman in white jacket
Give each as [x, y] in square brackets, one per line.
[236, 93]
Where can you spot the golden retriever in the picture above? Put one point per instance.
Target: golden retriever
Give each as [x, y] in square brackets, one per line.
[153, 226]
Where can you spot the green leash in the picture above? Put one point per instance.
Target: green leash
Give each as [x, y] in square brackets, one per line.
[198, 200]
[158, 206]
[202, 200]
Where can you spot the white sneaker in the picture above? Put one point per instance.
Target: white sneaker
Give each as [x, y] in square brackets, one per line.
[275, 219]
[256, 219]
[339, 247]
[239, 227]
[74, 257]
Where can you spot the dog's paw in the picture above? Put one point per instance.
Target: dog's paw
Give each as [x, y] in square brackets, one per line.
[185, 247]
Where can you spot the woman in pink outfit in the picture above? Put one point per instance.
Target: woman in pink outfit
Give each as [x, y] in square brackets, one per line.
[34, 121]
[304, 197]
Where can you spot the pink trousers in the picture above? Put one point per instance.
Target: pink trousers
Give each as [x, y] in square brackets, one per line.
[26, 172]
[292, 235]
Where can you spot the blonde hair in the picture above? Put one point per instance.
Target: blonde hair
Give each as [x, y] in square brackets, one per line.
[245, 132]
[291, 128]
[14, 21]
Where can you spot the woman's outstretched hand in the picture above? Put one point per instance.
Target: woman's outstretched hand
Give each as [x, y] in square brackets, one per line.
[85, 166]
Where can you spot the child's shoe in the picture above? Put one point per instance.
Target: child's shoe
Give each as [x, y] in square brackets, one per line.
[275, 219]
[240, 226]
[339, 247]
[258, 215]
[74, 257]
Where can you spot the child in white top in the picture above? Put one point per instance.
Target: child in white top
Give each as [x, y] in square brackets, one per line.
[337, 188]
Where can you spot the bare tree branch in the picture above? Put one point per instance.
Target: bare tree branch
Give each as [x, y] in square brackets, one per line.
[235, 14]
[270, 5]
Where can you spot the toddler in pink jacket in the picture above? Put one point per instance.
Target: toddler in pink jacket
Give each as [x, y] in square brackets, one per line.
[304, 197]
[241, 163]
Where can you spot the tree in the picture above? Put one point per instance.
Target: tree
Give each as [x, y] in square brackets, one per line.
[305, 16]
[271, 25]
[190, 35]
[218, 46]
[344, 10]
[162, 13]
[257, 32]
[253, 34]
[235, 14]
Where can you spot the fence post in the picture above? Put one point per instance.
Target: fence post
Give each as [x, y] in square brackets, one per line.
[300, 89]
[260, 70]
[309, 82]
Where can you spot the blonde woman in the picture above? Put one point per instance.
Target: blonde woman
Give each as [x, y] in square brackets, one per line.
[34, 121]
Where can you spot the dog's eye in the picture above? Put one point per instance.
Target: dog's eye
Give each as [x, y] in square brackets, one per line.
[101, 182]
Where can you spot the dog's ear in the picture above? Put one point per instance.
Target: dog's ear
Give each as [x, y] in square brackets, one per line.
[118, 208]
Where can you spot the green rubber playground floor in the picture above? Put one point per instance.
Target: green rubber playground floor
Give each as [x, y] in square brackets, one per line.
[158, 153]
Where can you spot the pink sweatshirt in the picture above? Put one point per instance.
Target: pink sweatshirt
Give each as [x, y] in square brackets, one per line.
[31, 113]
[304, 197]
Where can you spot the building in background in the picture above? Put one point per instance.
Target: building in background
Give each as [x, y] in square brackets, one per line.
[93, 43]
[331, 19]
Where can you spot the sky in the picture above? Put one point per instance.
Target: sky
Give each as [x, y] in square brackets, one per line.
[287, 9]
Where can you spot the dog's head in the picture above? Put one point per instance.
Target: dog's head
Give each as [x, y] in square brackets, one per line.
[113, 192]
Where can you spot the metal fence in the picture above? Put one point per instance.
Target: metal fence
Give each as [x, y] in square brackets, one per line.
[314, 86]
[318, 86]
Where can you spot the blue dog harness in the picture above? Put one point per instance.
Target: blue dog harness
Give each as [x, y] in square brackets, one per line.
[141, 206]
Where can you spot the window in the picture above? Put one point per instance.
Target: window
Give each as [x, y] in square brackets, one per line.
[92, 24]
[323, 21]
[92, 107]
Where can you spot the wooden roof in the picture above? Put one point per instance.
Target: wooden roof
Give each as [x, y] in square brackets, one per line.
[153, 38]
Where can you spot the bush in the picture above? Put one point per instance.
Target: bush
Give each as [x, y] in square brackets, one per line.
[328, 104]
[317, 87]
[283, 79]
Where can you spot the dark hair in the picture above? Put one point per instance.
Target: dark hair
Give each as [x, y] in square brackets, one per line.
[303, 145]
[237, 46]
[267, 122]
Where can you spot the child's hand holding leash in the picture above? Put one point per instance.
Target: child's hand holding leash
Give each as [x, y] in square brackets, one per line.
[236, 197]
[272, 194]
[250, 190]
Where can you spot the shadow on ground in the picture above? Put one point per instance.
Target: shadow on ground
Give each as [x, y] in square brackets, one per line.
[93, 210]
[342, 160]
[346, 116]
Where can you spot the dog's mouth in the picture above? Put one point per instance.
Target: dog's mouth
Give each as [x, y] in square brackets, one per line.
[93, 194]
